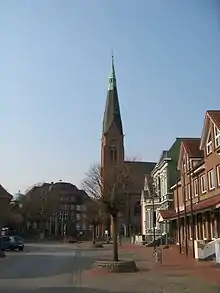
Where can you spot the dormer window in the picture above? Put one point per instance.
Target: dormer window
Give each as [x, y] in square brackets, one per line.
[209, 144]
[217, 137]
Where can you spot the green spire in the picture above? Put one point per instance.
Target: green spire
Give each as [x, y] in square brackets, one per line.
[112, 78]
[112, 109]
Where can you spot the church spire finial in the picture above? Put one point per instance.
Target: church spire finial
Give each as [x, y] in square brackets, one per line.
[112, 77]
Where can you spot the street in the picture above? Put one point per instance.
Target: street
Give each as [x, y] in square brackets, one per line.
[65, 268]
[45, 268]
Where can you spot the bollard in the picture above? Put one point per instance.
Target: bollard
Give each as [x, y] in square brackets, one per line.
[158, 255]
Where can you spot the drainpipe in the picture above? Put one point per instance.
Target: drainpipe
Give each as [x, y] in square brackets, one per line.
[185, 215]
[154, 236]
[178, 215]
[191, 208]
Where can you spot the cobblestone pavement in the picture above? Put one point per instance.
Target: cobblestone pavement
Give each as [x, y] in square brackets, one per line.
[175, 274]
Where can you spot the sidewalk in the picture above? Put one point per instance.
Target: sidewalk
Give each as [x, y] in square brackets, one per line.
[175, 274]
[173, 260]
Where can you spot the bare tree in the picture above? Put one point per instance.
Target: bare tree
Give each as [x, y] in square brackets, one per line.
[15, 219]
[94, 215]
[111, 190]
[39, 203]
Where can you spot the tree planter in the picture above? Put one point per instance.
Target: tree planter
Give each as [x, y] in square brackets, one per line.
[120, 266]
[97, 245]
[166, 247]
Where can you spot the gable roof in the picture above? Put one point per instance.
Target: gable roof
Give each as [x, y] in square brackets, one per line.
[191, 147]
[170, 155]
[163, 155]
[4, 193]
[210, 116]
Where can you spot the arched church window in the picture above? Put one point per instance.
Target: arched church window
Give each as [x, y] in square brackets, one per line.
[113, 152]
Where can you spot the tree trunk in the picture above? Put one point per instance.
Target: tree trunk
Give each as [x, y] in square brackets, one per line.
[2, 254]
[114, 236]
[94, 234]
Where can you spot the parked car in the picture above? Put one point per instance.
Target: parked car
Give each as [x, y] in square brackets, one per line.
[12, 243]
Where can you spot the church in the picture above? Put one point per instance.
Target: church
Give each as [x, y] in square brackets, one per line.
[113, 156]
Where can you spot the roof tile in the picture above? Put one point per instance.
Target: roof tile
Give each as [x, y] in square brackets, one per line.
[215, 116]
[192, 146]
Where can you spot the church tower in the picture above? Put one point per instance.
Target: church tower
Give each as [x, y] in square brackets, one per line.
[112, 146]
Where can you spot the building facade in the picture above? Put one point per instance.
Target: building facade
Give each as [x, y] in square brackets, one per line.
[5, 199]
[150, 203]
[163, 177]
[65, 213]
[113, 156]
[196, 213]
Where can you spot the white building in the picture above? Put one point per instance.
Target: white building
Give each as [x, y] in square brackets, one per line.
[149, 205]
[163, 176]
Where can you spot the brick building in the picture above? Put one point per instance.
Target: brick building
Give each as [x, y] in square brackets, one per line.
[196, 213]
[5, 199]
[67, 216]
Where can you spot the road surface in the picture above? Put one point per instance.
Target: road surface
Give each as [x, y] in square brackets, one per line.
[46, 268]
[65, 268]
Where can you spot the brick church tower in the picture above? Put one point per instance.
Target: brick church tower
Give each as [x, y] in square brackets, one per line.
[112, 157]
[112, 146]
[112, 143]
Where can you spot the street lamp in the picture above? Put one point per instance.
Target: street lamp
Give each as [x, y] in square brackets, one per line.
[153, 206]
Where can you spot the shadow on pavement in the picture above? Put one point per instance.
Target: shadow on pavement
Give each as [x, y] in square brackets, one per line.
[41, 267]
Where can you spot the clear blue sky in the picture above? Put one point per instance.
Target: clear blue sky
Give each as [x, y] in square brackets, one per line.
[54, 65]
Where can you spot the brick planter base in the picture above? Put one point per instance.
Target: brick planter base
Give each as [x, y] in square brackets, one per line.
[120, 266]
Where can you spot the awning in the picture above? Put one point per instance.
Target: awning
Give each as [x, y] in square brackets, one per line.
[212, 202]
[164, 215]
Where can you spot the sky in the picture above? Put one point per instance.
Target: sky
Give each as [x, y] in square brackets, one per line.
[55, 60]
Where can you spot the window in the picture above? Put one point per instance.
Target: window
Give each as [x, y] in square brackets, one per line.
[165, 183]
[161, 186]
[218, 174]
[185, 195]
[154, 218]
[209, 144]
[184, 165]
[188, 191]
[203, 184]
[211, 179]
[217, 137]
[83, 207]
[196, 191]
[158, 186]
[113, 154]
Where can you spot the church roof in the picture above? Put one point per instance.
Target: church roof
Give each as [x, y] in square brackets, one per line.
[112, 110]
[138, 171]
